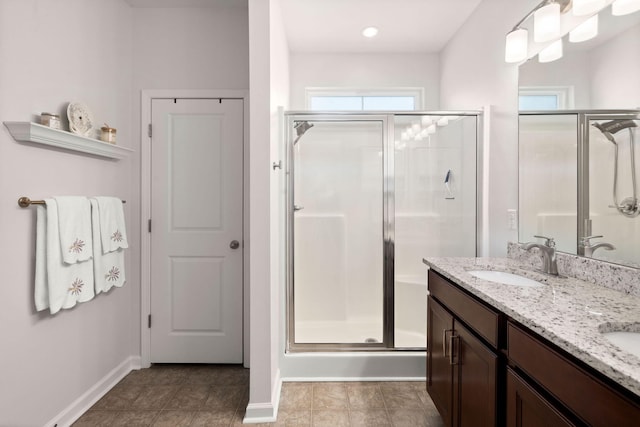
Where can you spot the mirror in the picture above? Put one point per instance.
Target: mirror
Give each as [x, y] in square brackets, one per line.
[579, 127]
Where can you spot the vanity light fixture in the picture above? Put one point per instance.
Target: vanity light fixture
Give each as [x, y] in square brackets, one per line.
[585, 31]
[587, 7]
[546, 22]
[546, 16]
[625, 7]
[551, 52]
[370, 32]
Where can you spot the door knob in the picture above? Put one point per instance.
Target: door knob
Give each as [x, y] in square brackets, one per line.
[234, 244]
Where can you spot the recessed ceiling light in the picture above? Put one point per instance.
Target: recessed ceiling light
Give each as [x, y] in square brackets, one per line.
[370, 32]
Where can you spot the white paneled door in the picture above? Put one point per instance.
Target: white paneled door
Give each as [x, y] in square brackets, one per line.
[196, 230]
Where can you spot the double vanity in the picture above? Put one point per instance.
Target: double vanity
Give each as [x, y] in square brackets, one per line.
[509, 345]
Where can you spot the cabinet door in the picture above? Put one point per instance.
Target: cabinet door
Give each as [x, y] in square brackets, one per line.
[474, 381]
[527, 408]
[439, 370]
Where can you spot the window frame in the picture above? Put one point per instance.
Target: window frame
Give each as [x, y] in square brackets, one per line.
[417, 93]
[564, 94]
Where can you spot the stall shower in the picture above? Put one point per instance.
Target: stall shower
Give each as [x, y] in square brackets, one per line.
[368, 196]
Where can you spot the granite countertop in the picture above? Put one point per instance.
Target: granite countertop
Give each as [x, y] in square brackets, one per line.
[568, 312]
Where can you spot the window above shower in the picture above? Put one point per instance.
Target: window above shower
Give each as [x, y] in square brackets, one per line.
[351, 99]
[545, 98]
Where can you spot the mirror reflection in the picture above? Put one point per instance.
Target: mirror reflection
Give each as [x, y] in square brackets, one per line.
[580, 145]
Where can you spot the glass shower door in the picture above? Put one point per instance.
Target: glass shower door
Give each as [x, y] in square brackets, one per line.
[435, 209]
[337, 209]
[548, 153]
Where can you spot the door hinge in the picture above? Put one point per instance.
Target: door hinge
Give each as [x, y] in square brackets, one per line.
[149, 321]
[149, 130]
[149, 225]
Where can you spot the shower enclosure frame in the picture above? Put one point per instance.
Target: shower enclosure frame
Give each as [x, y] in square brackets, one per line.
[583, 118]
[387, 118]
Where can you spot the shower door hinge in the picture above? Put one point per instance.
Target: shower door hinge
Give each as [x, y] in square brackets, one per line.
[149, 130]
[149, 321]
[149, 225]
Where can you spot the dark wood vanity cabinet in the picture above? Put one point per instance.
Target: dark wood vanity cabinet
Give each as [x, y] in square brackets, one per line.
[484, 369]
[461, 369]
[576, 390]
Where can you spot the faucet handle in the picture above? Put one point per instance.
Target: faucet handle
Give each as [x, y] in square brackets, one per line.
[585, 240]
[548, 241]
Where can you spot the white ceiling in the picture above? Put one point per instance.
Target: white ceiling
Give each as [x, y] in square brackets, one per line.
[405, 25]
[336, 25]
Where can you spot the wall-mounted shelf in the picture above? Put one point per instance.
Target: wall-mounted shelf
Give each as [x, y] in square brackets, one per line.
[39, 134]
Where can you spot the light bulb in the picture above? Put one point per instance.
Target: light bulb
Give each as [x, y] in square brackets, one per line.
[587, 7]
[546, 23]
[585, 31]
[516, 46]
[551, 52]
[624, 7]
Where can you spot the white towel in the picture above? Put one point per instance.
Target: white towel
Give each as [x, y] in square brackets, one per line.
[58, 284]
[74, 217]
[112, 227]
[108, 268]
[41, 294]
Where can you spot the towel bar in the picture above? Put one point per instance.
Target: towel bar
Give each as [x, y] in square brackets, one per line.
[25, 202]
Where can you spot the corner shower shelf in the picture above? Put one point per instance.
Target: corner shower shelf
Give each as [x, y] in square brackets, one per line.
[39, 134]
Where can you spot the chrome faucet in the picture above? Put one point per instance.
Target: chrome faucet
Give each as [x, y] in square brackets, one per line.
[585, 247]
[548, 252]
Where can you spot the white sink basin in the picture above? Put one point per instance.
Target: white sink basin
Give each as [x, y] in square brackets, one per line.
[627, 341]
[504, 278]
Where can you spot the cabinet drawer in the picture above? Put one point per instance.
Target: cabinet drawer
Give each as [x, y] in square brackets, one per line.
[476, 315]
[585, 395]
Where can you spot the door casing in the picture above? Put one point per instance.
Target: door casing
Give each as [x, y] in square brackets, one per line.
[145, 207]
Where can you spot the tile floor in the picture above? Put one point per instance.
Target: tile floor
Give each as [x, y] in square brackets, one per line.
[217, 395]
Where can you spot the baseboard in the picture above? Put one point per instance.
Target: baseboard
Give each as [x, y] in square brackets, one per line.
[74, 411]
[265, 412]
[351, 379]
